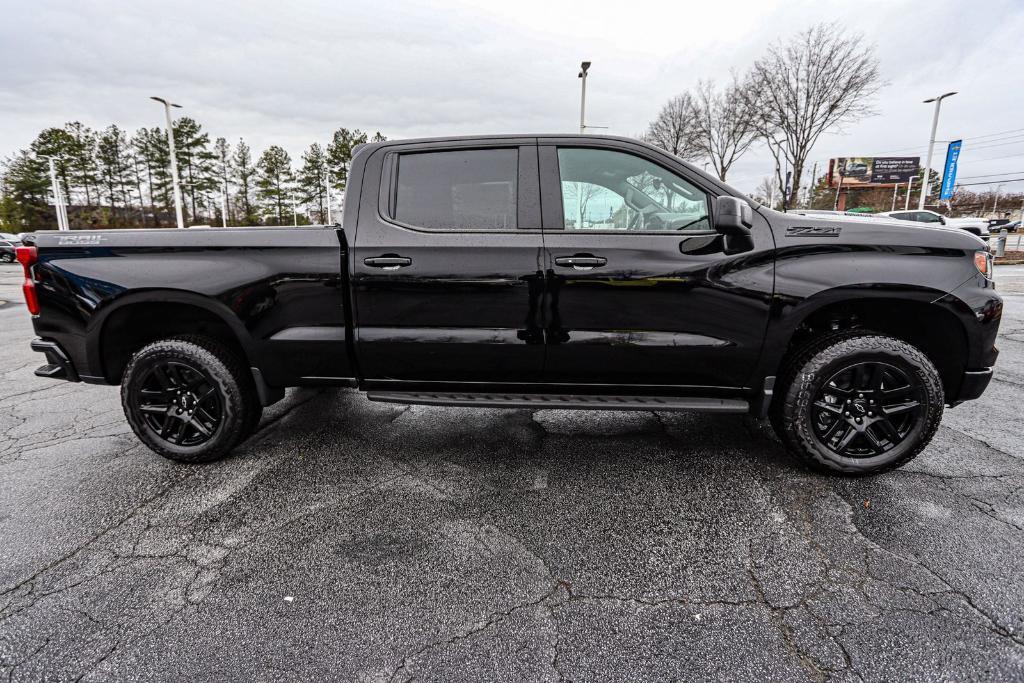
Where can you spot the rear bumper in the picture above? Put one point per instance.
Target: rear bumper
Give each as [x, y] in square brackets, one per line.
[974, 384]
[58, 366]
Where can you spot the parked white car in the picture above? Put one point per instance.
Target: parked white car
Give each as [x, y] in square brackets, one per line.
[976, 226]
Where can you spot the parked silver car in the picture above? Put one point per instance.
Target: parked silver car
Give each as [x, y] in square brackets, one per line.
[976, 226]
[8, 243]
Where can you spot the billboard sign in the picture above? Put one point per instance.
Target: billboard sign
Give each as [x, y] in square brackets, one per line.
[949, 170]
[873, 171]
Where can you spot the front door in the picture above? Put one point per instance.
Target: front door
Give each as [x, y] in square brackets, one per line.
[641, 290]
[448, 265]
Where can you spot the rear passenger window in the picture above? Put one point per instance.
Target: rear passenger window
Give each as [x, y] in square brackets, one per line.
[458, 190]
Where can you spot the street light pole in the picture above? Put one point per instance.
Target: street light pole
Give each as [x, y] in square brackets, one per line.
[931, 144]
[584, 67]
[327, 184]
[174, 159]
[59, 208]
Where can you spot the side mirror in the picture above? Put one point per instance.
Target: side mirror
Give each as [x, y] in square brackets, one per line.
[942, 220]
[733, 216]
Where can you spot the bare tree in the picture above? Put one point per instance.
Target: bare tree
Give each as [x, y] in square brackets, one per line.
[724, 130]
[818, 81]
[576, 198]
[765, 192]
[675, 128]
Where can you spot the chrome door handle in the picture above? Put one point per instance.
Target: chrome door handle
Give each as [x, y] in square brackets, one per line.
[581, 261]
[388, 262]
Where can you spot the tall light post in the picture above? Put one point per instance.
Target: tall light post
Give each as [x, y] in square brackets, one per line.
[584, 67]
[931, 144]
[59, 206]
[174, 159]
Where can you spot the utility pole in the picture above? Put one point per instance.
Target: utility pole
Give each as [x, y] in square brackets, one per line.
[931, 144]
[174, 158]
[995, 200]
[584, 67]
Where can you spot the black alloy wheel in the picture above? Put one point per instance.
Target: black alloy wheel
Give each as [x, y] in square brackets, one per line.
[189, 398]
[179, 403]
[867, 409]
[857, 402]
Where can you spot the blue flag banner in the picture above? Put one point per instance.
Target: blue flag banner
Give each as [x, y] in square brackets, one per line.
[949, 172]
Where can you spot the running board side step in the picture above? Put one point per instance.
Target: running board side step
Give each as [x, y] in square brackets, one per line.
[560, 401]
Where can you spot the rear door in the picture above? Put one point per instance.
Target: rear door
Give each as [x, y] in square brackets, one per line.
[641, 289]
[448, 264]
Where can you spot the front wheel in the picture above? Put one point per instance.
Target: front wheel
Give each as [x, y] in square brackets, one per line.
[859, 404]
[188, 399]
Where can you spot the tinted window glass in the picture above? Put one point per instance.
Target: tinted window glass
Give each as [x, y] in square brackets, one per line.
[458, 190]
[606, 190]
[925, 217]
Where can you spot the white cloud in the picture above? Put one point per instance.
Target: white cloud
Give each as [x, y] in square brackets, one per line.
[290, 73]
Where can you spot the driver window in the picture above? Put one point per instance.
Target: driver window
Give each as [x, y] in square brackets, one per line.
[606, 190]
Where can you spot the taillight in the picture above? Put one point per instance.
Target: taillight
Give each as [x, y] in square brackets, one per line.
[27, 257]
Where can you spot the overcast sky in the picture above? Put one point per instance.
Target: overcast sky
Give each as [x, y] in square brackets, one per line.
[291, 72]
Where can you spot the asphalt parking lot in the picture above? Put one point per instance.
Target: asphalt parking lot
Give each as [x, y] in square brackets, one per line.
[371, 542]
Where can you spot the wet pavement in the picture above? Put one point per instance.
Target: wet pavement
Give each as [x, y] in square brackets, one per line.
[360, 541]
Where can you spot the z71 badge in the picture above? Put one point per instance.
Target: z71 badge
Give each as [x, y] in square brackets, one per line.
[79, 240]
[816, 231]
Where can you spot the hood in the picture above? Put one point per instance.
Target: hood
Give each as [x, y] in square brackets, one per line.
[791, 229]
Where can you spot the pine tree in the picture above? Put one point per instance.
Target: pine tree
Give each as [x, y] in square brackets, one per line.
[113, 167]
[151, 145]
[135, 170]
[195, 163]
[83, 159]
[222, 151]
[339, 154]
[310, 181]
[59, 145]
[26, 180]
[275, 181]
[243, 173]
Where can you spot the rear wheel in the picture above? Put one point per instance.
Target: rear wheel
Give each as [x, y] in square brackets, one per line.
[859, 404]
[7, 257]
[188, 399]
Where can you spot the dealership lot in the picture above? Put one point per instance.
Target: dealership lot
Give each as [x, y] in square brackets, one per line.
[365, 541]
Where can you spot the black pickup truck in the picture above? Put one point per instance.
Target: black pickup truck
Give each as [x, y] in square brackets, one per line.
[530, 272]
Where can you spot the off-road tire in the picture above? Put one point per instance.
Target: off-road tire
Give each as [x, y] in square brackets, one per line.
[254, 409]
[220, 369]
[811, 367]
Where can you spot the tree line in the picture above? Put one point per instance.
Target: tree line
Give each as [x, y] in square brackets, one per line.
[820, 80]
[113, 179]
